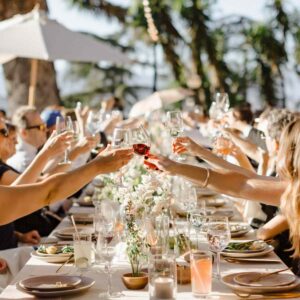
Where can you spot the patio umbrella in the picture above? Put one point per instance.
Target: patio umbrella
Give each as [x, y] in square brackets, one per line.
[35, 36]
[158, 100]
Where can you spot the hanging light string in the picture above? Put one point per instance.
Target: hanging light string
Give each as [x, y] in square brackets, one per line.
[152, 30]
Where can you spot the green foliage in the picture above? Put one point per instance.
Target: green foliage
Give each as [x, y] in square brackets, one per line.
[208, 44]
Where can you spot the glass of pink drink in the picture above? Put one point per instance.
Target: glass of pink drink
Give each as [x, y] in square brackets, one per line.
[201, 273]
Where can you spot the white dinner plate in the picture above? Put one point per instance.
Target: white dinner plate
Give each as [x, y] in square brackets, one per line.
[84, 285]
[53, 258]
[229, 281]
[267, 250]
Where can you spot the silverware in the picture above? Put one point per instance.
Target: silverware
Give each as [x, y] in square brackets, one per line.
[286, 295]
[259, 277]
[68, 260]
[251, 260]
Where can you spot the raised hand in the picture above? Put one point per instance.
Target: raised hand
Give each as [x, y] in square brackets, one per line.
[111, 160]
[186, 144]
[163, 163]
[57, 144]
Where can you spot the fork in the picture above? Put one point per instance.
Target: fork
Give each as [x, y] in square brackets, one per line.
[259, 277]
[68, 260]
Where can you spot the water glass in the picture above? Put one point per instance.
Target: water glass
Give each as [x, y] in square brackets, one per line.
[201, 273]
[157, 234]
[162, 278]
[218, 236]
[83, 250]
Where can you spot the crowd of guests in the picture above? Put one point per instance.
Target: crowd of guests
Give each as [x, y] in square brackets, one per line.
[256, 160]
[252, 157]
[40, 188]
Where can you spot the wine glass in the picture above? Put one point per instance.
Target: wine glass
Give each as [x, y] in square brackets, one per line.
[218, 236]
[140, 141]
[63, 125]
[222, 104]
[93, 123]
[120, 140]
[174, 123]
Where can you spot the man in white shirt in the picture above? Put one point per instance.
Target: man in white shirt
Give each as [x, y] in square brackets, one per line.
[31, 135]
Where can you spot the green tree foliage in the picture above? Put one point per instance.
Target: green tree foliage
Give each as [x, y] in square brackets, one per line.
[229, 54]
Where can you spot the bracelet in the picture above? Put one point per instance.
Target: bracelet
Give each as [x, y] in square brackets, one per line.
[205, 183]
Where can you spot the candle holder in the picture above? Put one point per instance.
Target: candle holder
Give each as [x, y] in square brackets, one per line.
[162, 278]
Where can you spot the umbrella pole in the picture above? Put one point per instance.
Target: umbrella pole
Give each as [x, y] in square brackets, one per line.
[33, 79]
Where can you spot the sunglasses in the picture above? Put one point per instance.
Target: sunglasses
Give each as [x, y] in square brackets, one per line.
[4, 132]
[41, 127]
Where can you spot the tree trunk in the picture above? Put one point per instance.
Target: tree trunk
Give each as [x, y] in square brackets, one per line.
[17, 72]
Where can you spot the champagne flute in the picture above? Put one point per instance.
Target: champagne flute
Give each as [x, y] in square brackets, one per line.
[174, 123]
[218, 236]
[63, 125]
[93, 123]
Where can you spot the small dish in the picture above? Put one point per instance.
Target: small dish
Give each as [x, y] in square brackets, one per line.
[50, 283]
[84, 285]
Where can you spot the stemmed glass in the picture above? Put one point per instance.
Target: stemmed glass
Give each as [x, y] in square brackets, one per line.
[218, 236]
[93, 123]
[174, 123]
[106, 247]
[140, 141]
[120, 140]
[63, 125]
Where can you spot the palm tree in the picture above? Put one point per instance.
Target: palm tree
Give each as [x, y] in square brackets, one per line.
[17, 72]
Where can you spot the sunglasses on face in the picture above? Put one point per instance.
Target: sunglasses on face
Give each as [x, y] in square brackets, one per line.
[41, 127]
[4, 132]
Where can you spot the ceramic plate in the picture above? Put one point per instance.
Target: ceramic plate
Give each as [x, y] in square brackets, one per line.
[83, 218]
[269, 281]
[50, 283]
[267, 250]
[67, 233]
[215, 202]
[259, 246]
[223, 212]
[229, 281]
[84, 285]
[85, 201]
[53, 258]
[242, 231]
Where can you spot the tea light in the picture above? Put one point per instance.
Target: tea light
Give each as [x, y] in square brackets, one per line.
[163, 288]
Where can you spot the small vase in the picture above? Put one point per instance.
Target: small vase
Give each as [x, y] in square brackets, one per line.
[135, 282]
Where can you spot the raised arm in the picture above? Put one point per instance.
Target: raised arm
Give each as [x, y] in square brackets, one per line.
[28, 198]
[55, 145]
[252, 187]
[184, 144]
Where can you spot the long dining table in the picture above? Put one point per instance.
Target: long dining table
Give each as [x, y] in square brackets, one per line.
[36, 267]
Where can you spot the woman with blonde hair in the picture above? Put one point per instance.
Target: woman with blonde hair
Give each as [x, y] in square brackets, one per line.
[283, 191]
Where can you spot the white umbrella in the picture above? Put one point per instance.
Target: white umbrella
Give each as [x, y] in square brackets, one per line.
[35, 36]
[158, 100]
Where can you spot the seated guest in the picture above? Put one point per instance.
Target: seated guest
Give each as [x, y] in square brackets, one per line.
[32, 136]
[9, 236]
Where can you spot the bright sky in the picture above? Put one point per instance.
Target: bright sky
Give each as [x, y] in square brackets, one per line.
[75, 20]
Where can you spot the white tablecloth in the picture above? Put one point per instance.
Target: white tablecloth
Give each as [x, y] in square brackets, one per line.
[36, 267]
